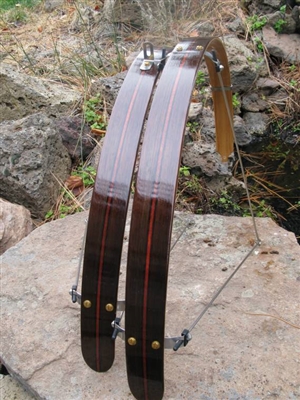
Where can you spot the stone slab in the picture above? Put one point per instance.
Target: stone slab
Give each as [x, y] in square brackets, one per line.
[234, 354]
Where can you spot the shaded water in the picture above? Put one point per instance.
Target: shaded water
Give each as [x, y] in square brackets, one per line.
[273, 167]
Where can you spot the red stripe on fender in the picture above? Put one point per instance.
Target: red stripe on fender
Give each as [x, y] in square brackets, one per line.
[150, 231]
[107, 212]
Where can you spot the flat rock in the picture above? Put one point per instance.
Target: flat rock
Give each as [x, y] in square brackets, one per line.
[241, 349]
[10, 389]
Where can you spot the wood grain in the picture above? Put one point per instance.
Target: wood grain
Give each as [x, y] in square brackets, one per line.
[108, 216]
[153, 209]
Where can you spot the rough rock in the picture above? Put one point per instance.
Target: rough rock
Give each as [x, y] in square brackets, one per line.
[267, 85]
[32, 162]
[240, 349]
[262, 7]
[76, 136]
[243, 63]
[126, 12]
[144, 15]
[194, 111]
[296, 16]
[15, 224]
[243, 137]
[51, 5]
[284, 46]
[256, 123]
[237, 26]
[85, 18]
[254, 103]
[287, 21]
[109, 87]
[204, 156]
[204, 28]
[201, 154]
[22, 94]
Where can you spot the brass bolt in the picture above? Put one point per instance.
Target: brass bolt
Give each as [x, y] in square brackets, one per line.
[179, 48]
[87, 304]
[199, 48]
[132, 341]
[109, 307]
[146, 63]
[155, 345]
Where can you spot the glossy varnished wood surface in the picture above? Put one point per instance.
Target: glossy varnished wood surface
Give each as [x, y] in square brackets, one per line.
[152, 215]
[108, 215]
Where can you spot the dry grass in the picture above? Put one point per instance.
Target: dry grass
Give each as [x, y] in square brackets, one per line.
[76, 48]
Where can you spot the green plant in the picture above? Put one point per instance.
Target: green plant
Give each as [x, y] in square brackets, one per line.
[292, 68]
[293, 82]
[283, 9]
[184, 171]
[256, 23]
[225, 203]
[259, 44]
[278, 26]
[94, 113]
[17, 14]
[200, 78]
[192, 185]
[9, 4]
[69, 200]
[193, 126]
[87, 174]
[262, 209]
[235, 101]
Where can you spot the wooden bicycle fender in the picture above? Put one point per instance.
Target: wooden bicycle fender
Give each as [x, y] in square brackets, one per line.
[108, 216]
[153, 207]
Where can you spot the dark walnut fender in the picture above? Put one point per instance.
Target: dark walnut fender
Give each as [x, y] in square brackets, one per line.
[153, 207]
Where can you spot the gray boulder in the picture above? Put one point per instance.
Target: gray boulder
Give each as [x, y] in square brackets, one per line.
[21, 95]
[32, 162]
[76, 136]
[284, 46]
[15, 224]
[254, 102]
[245, 67]
[203, 156]
[243, 137]
[109, 87]
[256, 123]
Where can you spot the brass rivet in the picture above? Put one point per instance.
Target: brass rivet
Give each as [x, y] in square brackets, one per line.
[146, 63]
[109, 307]
[87, 304]
[199, 48]
[132, 341]
[155, 345]
[179, 48]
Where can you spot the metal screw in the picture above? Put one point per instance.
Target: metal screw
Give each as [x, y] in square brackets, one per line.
[146, 63]
[109, 307]
[199, 48]
[132, 341]
[155, 345]
[179, 48]
[87, 304]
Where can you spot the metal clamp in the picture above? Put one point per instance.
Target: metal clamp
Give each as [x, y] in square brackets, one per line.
[185, 338]
[213, 57]
[117, 328]
[148, 56]
[76, 297]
